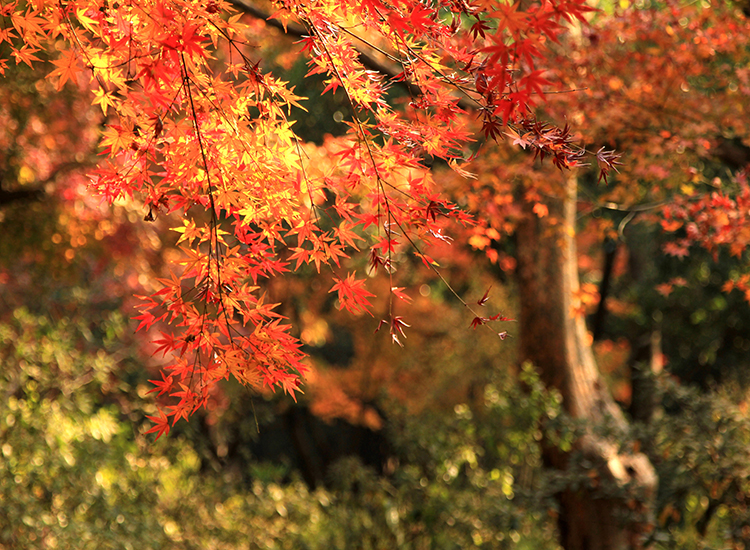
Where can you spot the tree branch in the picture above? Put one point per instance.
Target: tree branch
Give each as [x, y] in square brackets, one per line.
[8, 197]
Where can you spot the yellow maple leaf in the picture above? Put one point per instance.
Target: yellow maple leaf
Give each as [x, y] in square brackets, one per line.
[104, 99]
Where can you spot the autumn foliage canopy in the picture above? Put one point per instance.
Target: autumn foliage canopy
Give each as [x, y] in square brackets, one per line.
[193, 124]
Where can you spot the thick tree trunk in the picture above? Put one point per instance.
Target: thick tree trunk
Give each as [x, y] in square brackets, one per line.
[554, 338]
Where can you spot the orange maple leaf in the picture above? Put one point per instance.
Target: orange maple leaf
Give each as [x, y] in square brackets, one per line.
[67, 68]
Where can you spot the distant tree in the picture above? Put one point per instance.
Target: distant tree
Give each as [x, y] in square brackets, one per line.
[661, 85]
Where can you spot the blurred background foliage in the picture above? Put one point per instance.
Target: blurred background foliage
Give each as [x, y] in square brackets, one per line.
[436, 445]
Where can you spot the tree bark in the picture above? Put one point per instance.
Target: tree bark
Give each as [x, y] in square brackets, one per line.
[554, 338]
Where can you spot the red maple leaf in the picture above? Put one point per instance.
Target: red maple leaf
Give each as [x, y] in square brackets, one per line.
[162, 386]
[161, 424]
[352, 294]
[485, 297]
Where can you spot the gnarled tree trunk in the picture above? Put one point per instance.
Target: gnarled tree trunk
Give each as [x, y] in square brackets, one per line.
[554, 338]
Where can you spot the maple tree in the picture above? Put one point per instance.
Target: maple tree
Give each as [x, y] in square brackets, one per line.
[194, 125]
[678, 71]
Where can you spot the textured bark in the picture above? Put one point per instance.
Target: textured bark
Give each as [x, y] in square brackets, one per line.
[554, 338]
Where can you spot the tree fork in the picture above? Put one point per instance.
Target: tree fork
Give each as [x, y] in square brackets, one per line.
[554, 338]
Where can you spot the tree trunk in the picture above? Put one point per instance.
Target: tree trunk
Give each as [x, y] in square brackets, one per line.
[554, 338]
[645, 365]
